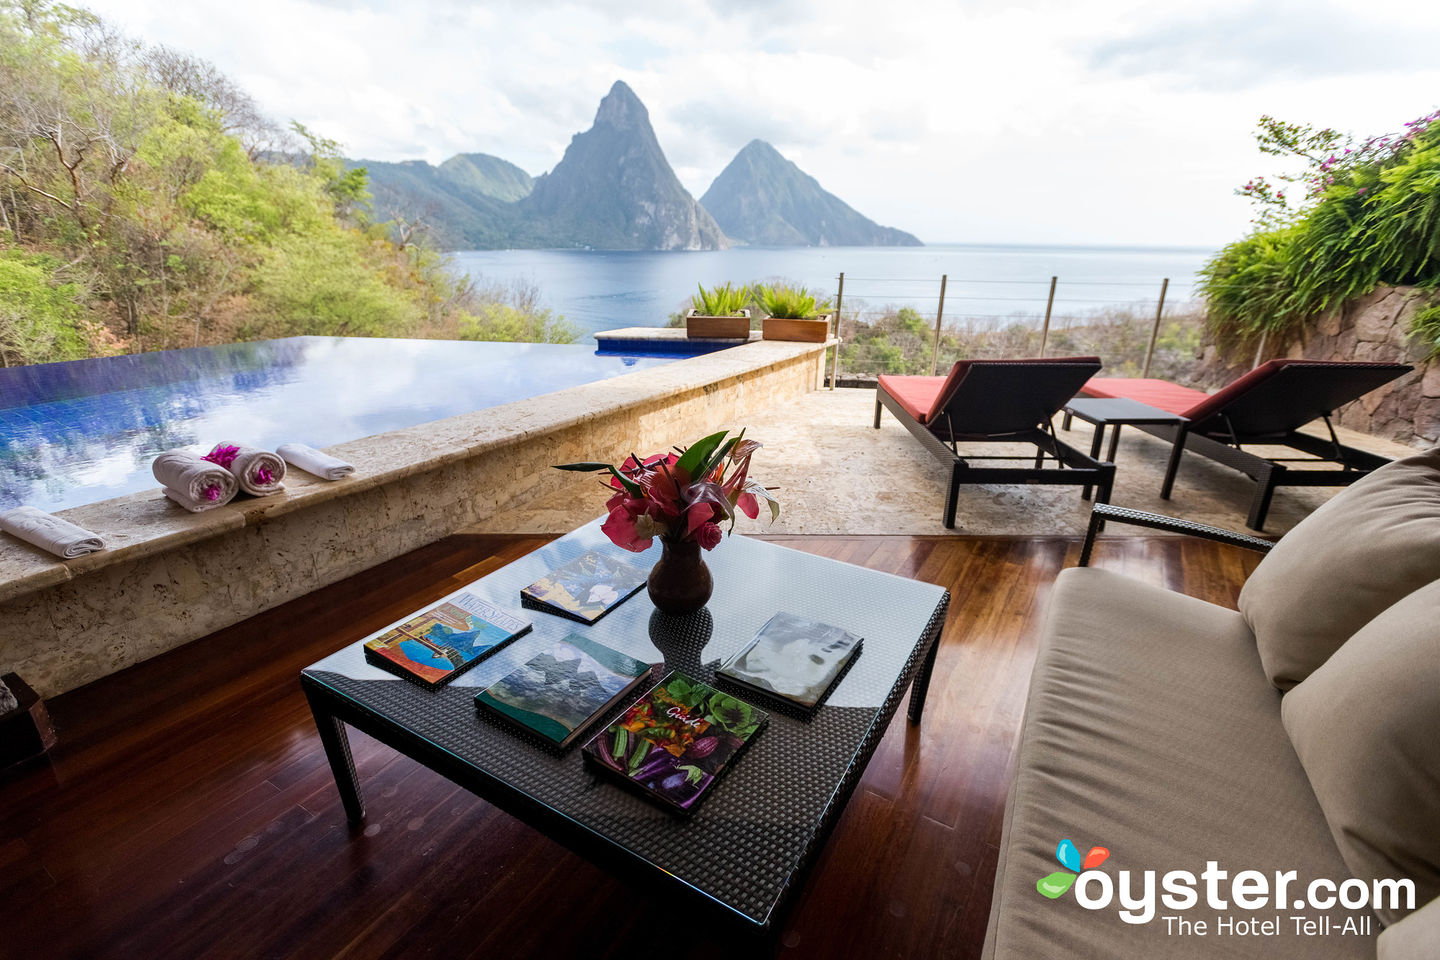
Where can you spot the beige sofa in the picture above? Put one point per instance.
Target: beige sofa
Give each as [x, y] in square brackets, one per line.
[1300, 733]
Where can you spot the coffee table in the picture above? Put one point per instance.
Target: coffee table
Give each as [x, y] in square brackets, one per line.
[749, 843]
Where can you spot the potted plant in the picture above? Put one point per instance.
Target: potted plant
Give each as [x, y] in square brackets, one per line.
[719, 313]
[793, 314]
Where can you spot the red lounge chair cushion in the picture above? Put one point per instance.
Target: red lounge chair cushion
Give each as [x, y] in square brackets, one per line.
[916, 395]
[1161, 394]
[1194, 405]
[926, 397]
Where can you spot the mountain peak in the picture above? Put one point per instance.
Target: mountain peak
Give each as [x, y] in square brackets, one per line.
[621, 108]
[763, 198]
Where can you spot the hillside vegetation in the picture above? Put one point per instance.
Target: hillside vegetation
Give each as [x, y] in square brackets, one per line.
[1357, 216]
[146, 204]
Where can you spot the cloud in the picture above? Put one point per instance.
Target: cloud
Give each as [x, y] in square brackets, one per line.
[983, 120]
[1261, 43]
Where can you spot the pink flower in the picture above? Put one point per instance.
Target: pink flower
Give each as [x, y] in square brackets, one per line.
[223, 455]
[212, 492]
[622, 529]
[709, 535]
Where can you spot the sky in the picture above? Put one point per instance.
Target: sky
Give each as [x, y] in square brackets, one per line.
[1124, 122]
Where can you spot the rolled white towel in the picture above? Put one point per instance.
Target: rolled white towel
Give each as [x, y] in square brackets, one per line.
[49, 532]
[194, 483]
[313, 461]
[259, 472]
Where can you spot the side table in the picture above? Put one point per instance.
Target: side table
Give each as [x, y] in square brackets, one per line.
[1114, 413]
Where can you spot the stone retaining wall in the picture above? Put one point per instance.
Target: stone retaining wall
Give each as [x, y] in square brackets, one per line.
[172, 577]
[1372, 327]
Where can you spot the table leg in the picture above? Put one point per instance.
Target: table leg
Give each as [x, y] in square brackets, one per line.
[342, 764]
[1095, 440]
[921, 687]
[1114, 442]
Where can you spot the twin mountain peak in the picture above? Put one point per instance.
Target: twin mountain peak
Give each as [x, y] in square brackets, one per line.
[614, 190]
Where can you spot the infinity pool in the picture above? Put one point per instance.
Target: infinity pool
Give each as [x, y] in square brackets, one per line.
[77, 432]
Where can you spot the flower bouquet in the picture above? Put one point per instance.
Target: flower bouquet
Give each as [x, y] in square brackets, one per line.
[683, 498]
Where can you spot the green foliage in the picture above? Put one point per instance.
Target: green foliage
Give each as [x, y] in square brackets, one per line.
[319, 285]
[504, 321]
[1425, 327]
[1373, 219]
[722, 300]
[41, 318]
[153, 179]
[786, 302]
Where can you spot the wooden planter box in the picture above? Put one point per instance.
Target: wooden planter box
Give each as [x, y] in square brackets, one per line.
[811, 330]
[718, 328]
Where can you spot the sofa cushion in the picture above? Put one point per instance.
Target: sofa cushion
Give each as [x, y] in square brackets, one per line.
[1413, 938]
[1366, 725]
[1370, 545]
[1152, 731]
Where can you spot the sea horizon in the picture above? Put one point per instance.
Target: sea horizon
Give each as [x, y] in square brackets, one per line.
[985, 282]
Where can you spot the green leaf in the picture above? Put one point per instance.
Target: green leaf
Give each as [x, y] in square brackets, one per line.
[699, 452]
[584, 466]
[693, 774]
[631, 487]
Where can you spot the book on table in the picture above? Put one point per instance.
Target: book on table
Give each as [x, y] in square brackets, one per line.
[795, 659]
[566, 686]
[673, 744]
[444, 641]
[586, 588]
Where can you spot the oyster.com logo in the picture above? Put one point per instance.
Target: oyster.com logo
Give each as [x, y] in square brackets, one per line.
[1068, 854]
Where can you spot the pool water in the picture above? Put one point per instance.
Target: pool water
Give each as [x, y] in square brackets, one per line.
[86, 430]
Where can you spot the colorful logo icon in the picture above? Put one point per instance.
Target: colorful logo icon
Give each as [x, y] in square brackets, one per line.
[1068, 854]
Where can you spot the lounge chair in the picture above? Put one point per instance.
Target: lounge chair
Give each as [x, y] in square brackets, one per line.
[996, 401]
[1268, 406]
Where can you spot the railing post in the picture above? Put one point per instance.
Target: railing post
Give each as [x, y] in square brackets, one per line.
[839, 304]
[1049, 305]
[1260, 350]
[1155, 330]
[939, 316]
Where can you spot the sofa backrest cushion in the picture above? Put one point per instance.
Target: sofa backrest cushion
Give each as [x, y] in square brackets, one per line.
[1370, 545]
[1366, 726]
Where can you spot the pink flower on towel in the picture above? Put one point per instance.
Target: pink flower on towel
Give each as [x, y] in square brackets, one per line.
[264, 476]
[212, 492]
[223, 455]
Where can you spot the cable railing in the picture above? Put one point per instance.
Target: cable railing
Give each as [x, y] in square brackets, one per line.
[914, 325]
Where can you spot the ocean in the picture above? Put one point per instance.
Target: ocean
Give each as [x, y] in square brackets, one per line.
[987, 283]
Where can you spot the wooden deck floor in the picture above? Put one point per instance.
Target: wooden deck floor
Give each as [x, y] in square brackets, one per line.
[189, 811]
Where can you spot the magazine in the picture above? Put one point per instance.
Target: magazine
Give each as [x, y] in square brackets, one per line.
[438, 645]
[793, 658]
[586, 588]
[567, 684]
[675, 741]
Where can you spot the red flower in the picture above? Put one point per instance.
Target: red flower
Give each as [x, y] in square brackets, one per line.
[709, 535]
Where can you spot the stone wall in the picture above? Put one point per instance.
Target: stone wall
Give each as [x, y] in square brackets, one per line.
[170, 577]
[1373, 327]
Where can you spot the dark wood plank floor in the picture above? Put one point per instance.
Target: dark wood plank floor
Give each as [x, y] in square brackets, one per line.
[189, 811]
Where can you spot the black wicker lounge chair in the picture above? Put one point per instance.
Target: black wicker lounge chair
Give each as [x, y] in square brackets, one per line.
[1266, 406]
[996, 401]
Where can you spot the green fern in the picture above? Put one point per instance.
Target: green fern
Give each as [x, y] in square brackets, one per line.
[790, 303]
[722, 300]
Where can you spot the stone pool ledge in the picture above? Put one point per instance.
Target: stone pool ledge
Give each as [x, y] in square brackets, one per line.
[170, 576]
